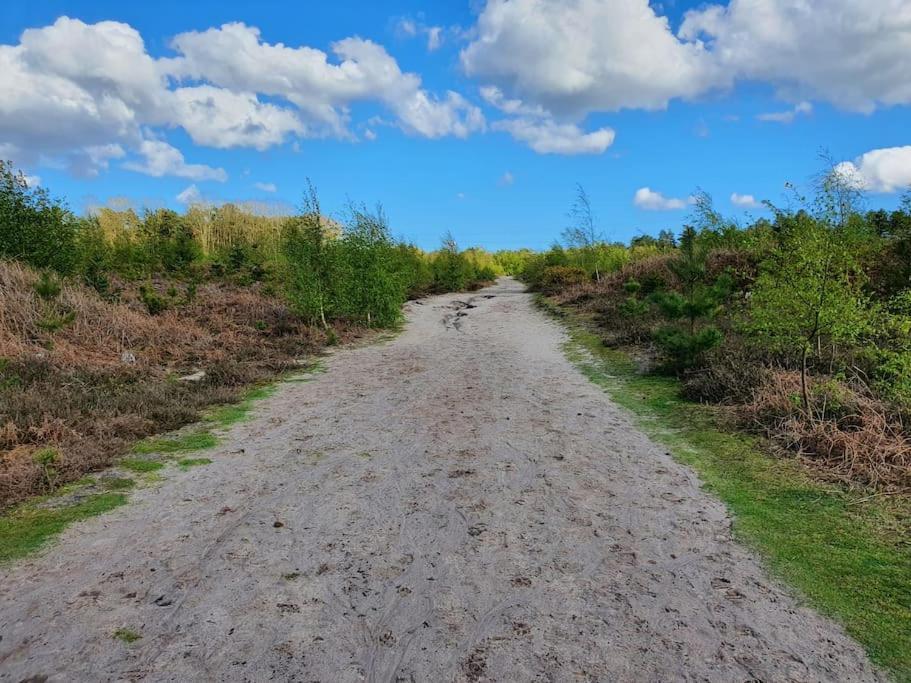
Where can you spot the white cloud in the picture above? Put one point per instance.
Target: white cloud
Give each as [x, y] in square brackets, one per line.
[574, 57]
[406, 27]
[434, 38]
[788, 116]
[548, 137]
[78, 94]
[70, 87]
[648, 199]
[880, 170]
[161, 159]
[744, 201]
[32, 180]
[853, 53]
[495, 97]
[234, 56]
[215, 117]
[266, 187]
[89, 161]
[585, 55]
[191, 195]
[507, 178]
[370, 134]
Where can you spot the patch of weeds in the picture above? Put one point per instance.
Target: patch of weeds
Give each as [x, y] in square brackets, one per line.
[291, 576]
[187, 463]
[365, 455]
[127, 635]
[47, 459]
[225, 416]
[191, 441]
[27, 528]
[118, 483]
[140, 466]
[846, 551]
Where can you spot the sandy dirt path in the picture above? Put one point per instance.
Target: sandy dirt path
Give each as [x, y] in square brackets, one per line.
[458, 504]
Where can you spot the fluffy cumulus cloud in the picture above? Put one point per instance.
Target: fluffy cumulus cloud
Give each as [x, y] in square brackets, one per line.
[570, 58]
[235, 57]
[853, 53]
[161, 159]
[880, 170]
[84, 94]
[648, 199]
[577, 56]
[217, 117]
[266, 187]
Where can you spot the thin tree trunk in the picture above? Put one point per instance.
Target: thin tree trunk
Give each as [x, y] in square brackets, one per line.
[805, 394]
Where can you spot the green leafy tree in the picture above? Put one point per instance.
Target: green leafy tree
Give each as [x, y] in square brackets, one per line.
[452, 272]
[33, 227]
[690, 333]
[809, 290]
[311, 256]
[582, 234]
[374, 289]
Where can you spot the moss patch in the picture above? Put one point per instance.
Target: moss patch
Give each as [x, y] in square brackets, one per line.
[192, 441]
[141, 466]
[26, 528]
[187, 463]
[126, 635]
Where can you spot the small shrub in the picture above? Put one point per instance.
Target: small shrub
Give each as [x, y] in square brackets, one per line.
[555, 279]
[52, 322]
[46, 459]
[683, 349]
[48, 286]
[154, 303]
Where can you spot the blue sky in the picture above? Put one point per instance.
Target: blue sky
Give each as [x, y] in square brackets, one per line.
[616, 97]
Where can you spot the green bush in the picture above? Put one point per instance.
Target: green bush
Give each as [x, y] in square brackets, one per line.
[452, 271]
[33, 227]
[684, 349]
[554, 279]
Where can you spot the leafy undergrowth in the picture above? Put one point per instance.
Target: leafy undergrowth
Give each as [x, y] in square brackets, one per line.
[77, 397]
[847, 551]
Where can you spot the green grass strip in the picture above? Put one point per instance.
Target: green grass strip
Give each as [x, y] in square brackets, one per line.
[27, 528]
[192, 441]
[848, 552]
[187, 463]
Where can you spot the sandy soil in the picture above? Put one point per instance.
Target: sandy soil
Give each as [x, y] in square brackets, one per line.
[457, 504]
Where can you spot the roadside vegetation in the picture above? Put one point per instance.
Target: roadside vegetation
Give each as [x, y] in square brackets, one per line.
[774, 359]
[799, 324]
[120, 325]
[844, 548]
